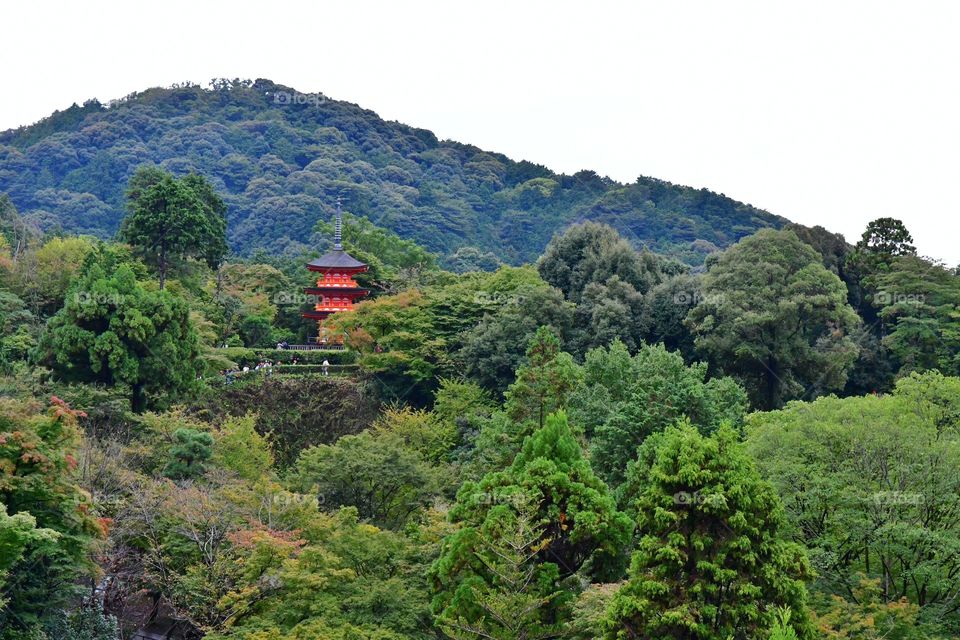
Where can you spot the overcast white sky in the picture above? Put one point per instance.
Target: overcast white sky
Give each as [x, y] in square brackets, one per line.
[829, 113]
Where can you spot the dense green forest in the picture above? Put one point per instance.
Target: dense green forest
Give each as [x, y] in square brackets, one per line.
[600, 441]
[279, 158]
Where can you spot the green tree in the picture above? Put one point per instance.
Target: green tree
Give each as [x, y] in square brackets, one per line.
[257, 331]
[884, 240]
[387, 482]
[171, 219]
[598, 270]
[713, 559]
[544, 381]
[871, 487]
[512, 603]
[781, 626]
[593, 253]
[773, 316]
[112, 331]
[189, 454]
[17, 533]
[494, 348]
[18, 329]
[919, 305]
[86, 622]
[574, 514]
[625, 399]
[43, 274]
[241, 449]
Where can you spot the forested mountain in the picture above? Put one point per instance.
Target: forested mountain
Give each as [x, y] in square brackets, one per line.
[279, 158]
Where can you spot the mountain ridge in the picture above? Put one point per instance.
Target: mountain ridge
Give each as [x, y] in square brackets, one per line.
[280, 158]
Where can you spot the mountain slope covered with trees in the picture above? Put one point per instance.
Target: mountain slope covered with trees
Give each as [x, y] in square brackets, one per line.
[279, 158]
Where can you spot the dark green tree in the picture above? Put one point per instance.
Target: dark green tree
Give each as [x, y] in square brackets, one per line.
[593, 253]
[494, 349]
[544, 381]
[624, 400]
[774, 317]
[918, 305]
[171, 219]
[189, 454]
[514, 603]
[885, 239]
[387, 482]
[112, 331]
[598, 270]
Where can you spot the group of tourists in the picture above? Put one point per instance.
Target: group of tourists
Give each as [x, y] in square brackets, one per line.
[231, 374]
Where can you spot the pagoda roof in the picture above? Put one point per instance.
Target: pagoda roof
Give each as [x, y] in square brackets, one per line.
[338, 258]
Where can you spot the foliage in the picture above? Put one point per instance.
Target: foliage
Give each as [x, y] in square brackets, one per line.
[239, 448]
[280, 164]
[387, 482]
[871, 487]
[189, 454]
[919, 306]
[171, 219]
[88, 622]
[42, 274]
[552, 510]
[544, 381]
[493, 349]
[773, 316]
[625, 399]
[713, 559]
[113, 331]
[46, 525]
[598, 270]
[866, 616]
[518, 598]
[296, 413]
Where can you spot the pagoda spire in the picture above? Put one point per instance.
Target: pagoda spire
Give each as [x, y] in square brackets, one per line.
[337, 229]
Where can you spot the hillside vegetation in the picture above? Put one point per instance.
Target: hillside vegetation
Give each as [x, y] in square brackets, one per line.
[279, 159]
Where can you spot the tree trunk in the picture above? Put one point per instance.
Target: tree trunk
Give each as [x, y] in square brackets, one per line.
[162, 265]
[138, 398]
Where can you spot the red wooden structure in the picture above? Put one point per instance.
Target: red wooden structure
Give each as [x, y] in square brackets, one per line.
[336, 289]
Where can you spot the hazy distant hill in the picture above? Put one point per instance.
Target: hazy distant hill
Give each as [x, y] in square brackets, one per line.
[280, 158]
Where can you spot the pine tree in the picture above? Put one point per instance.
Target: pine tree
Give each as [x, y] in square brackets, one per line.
[511, 604]
[713, 561]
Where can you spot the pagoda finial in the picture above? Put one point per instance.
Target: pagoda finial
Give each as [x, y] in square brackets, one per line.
[337, 230]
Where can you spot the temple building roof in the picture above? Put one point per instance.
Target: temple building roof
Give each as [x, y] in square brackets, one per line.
[338, 258]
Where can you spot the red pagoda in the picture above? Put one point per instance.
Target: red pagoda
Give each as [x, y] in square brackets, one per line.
[336, 289]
